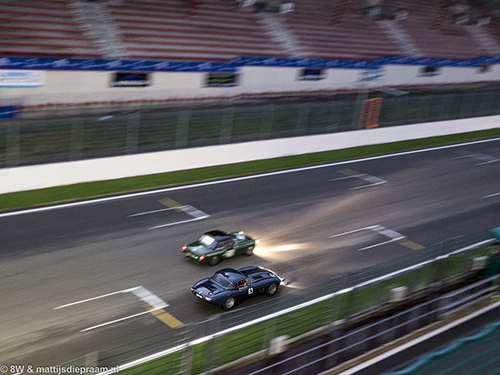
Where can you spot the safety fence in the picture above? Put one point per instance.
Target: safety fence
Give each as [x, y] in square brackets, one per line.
[196, 348]
[83, 133]
[337, 346]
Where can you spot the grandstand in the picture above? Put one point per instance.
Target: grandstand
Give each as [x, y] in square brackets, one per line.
[46, 28]
[221, 30]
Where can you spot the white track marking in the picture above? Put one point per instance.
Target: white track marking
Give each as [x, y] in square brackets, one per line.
[98, 297]
[388, 232]
[491, 195]
[190, 210]
[155, 211]
[381, 243]
[179, 222]
[372, 180]
[151, 299]
[393, 235]
[354, 231]
[485, 159]
[117, 320]
[242, 178]
[345, 177]
[194, 212]
[142, 293]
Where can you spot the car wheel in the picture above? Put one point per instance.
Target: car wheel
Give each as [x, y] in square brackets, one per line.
[271, 289]
[249, 250]
[213, 260]
[229, 303]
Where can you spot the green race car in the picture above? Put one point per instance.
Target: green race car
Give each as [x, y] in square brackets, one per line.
[216, 245]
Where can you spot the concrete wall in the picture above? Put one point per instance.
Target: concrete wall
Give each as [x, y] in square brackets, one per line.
[57, 174]
[86, 86]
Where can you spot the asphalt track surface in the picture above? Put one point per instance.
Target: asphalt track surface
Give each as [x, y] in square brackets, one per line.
[71, 275]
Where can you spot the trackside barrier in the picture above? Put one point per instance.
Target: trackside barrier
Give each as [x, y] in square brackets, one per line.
[196, 348]
[72, 134]
[369, 337]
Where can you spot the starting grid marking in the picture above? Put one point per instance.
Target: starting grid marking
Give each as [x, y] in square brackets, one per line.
[173, 205]
[482, 158]
[154, 305]
[349, 173]
[392, 235]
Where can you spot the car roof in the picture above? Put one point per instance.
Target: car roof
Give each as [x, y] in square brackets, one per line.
[218, 234]
[231, 274]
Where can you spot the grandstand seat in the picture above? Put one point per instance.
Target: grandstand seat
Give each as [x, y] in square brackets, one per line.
[322, 33]
[173, 29]
[45, 28]
[435, 35]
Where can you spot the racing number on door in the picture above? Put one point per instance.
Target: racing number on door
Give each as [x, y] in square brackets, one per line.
[230, 253]
[250, 290]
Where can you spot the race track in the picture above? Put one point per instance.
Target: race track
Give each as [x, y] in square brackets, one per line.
[81, 277]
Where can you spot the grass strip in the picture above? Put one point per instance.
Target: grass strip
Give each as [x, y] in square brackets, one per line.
[116, 186]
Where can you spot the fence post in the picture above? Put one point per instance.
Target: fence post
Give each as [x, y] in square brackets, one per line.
[12, 150]
[226, 125]
[182, 129]
[270, 332]
[266, 122]
[133, 123]
[76, 146]
[187, 357]
[210, 347]
[361, 96]
[334, 118]
[303, 118]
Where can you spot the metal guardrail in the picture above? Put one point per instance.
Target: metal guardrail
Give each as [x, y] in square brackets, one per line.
[350, 345]
[207, 342]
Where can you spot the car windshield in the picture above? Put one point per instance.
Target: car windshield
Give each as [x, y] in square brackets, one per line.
[222, 281]
[207, 241]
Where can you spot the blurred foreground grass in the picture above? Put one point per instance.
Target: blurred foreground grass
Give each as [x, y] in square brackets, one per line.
[109, 187]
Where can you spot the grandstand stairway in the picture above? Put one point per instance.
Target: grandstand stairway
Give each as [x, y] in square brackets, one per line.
[437, 38]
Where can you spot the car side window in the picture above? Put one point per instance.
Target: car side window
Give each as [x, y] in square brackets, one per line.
[230, 243]
[221, 245]
[243, 283]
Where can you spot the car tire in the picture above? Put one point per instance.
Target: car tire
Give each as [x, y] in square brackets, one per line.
[272, 289]
[229, 303]
[249, 250]
[213, 260]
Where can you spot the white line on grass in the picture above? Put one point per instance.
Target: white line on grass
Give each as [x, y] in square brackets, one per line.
[235, 179]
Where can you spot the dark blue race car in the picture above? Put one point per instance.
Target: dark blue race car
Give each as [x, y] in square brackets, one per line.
[228, 285]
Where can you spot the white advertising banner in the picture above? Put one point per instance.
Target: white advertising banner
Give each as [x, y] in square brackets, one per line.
[22, 78]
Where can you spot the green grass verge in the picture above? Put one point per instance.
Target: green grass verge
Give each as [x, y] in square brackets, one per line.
[101, 188]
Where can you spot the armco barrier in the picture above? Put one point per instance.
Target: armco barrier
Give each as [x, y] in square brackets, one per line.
[200, 347]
